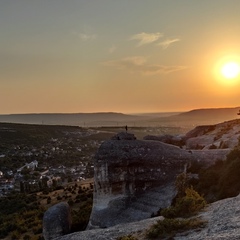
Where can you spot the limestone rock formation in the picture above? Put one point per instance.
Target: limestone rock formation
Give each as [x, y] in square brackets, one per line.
[167, 138]
[56, 221]
[134, 178]
[124, 136]
[220, 136]
[222, 218]
[113, 232]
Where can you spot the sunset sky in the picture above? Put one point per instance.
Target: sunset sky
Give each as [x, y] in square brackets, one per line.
[127, 56]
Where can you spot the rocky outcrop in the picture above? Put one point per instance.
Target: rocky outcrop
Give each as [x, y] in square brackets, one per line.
[166, 138]
[56, 221]
[134, 178]
[113, 232]
[222, 222]
[220, 136]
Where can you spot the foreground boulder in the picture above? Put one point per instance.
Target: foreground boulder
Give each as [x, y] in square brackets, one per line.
[56, 221]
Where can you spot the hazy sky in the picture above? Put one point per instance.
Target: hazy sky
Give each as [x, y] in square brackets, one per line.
[122, 56]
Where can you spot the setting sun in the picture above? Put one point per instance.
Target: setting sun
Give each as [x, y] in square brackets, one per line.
[230, 70]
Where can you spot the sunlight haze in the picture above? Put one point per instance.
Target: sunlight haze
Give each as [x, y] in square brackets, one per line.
[118, 56]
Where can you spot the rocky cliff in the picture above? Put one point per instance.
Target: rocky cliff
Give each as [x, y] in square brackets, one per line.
[134, 178]
[219, 136]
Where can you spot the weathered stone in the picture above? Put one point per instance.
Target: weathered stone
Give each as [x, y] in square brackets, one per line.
[166, 138]
[114, 232]
[56, 221]
[133, 179]
[222, 135]
[124, 136]
[222, 222]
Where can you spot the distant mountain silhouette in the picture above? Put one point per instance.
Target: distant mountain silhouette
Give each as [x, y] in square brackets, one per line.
[78, 119]
[190, 118]
[202, 116]
[212, 113]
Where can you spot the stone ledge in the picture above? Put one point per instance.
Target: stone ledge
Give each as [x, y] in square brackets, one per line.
[124, 136]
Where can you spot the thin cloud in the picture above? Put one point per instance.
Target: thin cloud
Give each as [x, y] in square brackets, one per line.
[165, 44]
[87, 37]
[146, 38]
[161, 69]
[112, 49]
[130, 63]
[139, 64]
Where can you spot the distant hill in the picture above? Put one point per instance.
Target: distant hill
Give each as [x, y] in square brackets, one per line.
[200, 117]
[77, 119]
[186, 119]
[212, 113]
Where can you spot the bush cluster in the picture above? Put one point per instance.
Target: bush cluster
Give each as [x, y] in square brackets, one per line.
[187, 203]
[185, 206]
[128, 237]
[222, 180]
[170, 226]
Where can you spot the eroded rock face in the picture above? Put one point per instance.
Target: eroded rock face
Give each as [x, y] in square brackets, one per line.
[133, 179]
[56, 221]
[222, 222]
[219, 136]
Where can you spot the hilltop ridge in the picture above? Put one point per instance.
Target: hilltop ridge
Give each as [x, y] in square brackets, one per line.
[190, 118]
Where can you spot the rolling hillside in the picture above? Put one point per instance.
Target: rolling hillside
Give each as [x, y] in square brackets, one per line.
[187, 119]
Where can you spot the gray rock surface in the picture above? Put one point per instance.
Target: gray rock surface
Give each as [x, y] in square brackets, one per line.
[113, 232]
[223, 219]
[223, 223]
[134, 178]
[220, 136]
[166, 138]
[56, 221]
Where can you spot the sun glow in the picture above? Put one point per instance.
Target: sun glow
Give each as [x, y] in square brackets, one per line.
[230, 70]
[227, 70]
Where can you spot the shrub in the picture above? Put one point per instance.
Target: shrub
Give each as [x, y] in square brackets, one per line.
[26, 237]
[59, 198]
[70, 202]
[185, 206]
[169, 227]
[128, 237]
[221, 180]
[181, 184]
[15, 235]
